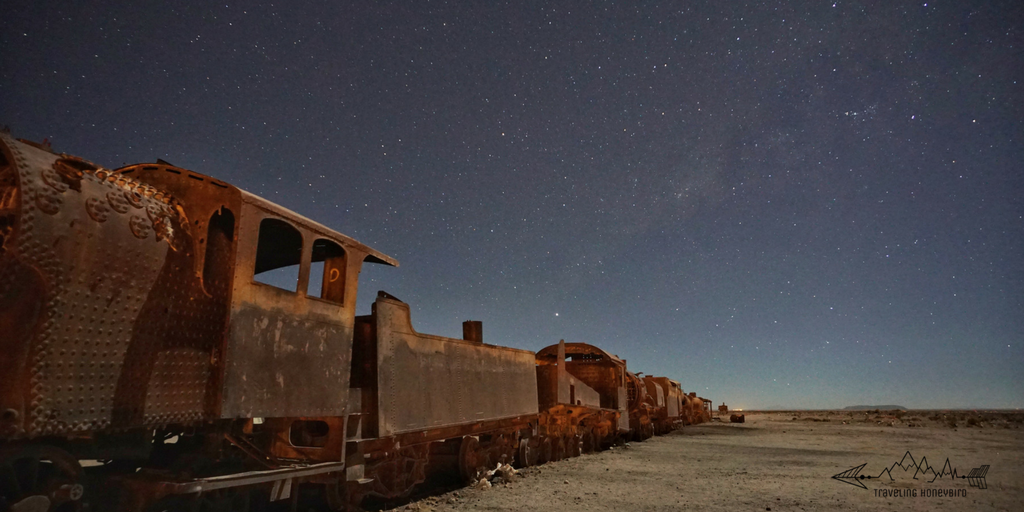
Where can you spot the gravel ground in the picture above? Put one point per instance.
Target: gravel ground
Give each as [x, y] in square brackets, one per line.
[778, 461]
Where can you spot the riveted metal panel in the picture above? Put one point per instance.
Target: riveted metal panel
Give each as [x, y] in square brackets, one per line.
[115, 292]
[114, 330]
[428, 382]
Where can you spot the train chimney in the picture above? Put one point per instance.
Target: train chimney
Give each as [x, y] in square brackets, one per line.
[473, 330]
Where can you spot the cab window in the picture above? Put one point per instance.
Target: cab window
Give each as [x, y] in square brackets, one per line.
[278, 255]
[327, 271]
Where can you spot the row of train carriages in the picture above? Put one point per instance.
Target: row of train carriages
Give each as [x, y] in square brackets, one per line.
[146, 365]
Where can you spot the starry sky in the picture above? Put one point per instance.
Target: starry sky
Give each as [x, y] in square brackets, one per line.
[779, 204]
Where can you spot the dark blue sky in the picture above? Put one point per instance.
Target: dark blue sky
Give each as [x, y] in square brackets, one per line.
[807, 204]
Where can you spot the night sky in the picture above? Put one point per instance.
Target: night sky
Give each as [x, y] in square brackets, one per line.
[798, 204]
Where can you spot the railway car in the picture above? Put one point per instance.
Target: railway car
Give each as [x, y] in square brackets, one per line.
[582, 399]
[665, 400]
[139, 333]
[430, 400]
[698, 410]
[173, 343]
[707, 412]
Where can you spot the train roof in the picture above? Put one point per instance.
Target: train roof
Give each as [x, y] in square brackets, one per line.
[184, 184]
[373, 255]
[579, 350]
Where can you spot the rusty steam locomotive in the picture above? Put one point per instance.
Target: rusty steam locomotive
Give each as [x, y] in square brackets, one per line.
[145, 366]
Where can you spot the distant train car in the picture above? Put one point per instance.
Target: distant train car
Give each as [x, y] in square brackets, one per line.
[642, 407]
[698, 410]
[582, 400]
[666, 403]
[708, 411]
[172, 343]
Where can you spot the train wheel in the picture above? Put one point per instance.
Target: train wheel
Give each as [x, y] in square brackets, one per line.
[544, 451]
[558, 449]
[471, 458]
[574, 445]
[40, 478]
[396, 475]
[527, 454]
[508, 449]
[589, 442]
[342, 496]
[636, 435]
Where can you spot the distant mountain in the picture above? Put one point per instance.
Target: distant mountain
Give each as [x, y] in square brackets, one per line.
[873, 407]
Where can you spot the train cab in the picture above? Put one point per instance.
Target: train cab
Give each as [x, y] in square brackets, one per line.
[290, 286]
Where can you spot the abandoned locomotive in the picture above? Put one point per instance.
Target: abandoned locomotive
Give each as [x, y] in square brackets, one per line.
[146, 364]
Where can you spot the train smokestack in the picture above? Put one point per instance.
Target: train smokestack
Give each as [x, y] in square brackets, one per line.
[473, 330]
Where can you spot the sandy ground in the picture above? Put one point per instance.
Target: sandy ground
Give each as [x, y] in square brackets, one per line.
[776, 461]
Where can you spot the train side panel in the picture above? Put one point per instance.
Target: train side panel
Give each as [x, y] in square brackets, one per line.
[288, 355]
[104, 323]
[430, 382]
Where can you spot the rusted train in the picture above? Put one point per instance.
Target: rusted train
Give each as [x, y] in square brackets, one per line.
[145, 365]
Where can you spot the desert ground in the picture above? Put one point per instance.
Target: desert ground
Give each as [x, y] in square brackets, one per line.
[777, 461]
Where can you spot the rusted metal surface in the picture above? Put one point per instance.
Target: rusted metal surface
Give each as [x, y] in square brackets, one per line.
[318, 439]
[571, 416]
[126, 303]
[556, 386]
[693, 408]
[737, 418]
[473, 330]
[597, 369]
[692, 416]
[706, 409]
[150, 487]
[287, 352]
[655, 391]
[99, 343]
[96, 342]
[133, 311]
[428, 382]
[640, 408]
[665, 397]
[675, 396]
[395, 474]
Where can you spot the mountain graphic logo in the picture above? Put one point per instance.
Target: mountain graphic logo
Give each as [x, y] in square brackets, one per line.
[922, 471]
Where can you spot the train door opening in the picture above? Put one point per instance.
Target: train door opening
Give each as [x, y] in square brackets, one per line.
[219, 257]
